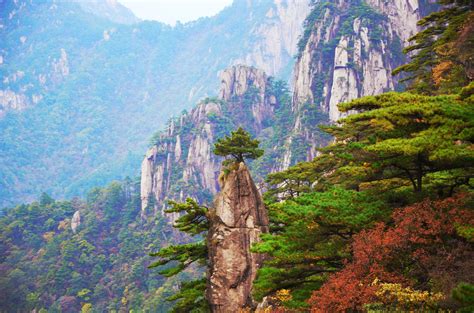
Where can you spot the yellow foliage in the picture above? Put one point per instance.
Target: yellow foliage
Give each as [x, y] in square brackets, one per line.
[440, 70]
[283, 295]
[63, 224]
[124, 301]
[86, 308]
[405, 296]
[48, 235]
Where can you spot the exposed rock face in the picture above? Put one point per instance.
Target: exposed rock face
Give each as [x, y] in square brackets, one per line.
[182, 159]
[21, 99]
[10, 100]
[237, 220]
[343, 56]
[60, 67]
[142, 73]
[402, 14]
[75, 221]
[279, 35]
[363, 59]
[347, 56]
[238, 79]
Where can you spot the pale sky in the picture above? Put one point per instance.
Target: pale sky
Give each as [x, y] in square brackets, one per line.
[170, 11]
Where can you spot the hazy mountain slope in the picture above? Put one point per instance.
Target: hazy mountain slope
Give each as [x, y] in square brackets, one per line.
[80, 94]
[110, 9]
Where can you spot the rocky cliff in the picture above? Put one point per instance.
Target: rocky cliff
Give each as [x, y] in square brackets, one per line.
[237, 219]
[348, 50]
[278, 35]
[181, 162]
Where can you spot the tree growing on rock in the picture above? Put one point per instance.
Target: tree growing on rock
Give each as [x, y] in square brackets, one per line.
[239, 146]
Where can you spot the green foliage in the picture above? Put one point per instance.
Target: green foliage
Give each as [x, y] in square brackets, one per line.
[185, 254]
[194, 222]
[239, 145]
[397, 149]
[464, 294]
[404, 136]
[310, 237]
[81, 135]
[190, 297]
[46, 266]
[370, 18]
[443, 50]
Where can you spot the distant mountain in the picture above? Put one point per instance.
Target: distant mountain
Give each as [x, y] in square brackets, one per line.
[82, 92]
[110, 9]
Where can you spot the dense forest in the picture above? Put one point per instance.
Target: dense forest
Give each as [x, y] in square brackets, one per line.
[381, 220]
[53, 263]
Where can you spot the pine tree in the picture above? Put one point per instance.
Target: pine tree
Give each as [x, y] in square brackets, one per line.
[239, 145]
[443, 52]
[310, 237]
[194, 222]
[397, 140]
[402, 137]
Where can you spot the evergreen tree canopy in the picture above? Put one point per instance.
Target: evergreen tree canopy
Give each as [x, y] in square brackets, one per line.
[398, 149]
[401, 136]
[443, 52]
[397, 140]
[239, 145]
[194, 222]
[310, 237]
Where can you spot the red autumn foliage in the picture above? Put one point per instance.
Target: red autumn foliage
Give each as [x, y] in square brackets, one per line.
[420, 248]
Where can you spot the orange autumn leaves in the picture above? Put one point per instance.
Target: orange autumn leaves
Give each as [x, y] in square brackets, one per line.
[422, 243]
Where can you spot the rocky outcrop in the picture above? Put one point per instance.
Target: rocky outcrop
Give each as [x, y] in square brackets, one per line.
[182, 159]
[60, 67]
[237, 80]
[237, 219]
[9, 100]
[348, 56]
[349, 51]
[279, 35]
[75, 221]
[22, 98]
[403, 16]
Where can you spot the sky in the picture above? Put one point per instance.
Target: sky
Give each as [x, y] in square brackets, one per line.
[170, 11]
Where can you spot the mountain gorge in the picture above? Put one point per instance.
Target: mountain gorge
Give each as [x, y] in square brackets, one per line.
[84, 90]
[348, 50]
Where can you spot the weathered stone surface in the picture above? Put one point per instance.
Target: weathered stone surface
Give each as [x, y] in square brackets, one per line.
[237, 220]
[10, 100]
[370, 56]
[189, 156]
[236, 80]
[279, 34]
[360, 64]
[75, 221]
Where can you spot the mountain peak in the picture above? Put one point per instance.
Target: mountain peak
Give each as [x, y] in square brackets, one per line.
[109, 9]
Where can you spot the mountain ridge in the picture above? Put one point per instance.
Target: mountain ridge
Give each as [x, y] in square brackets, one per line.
[93, 91]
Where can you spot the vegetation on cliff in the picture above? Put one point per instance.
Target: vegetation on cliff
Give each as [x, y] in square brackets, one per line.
[239, 146]
[202, 224]
[408, 156]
